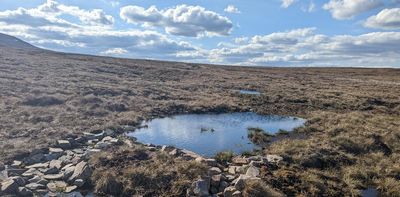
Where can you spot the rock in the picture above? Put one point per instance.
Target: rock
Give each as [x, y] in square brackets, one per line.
[275, 159]
[215, 180]
[31, 173]
[190, 154]
[38, 165]
[253, 171]
[57, 186]
[240, 160]
[110, 140]
[213, 171]
[222, 186]
[174, 152]
[56, 150]
[232, 169]
[102, 145]
[240, 182]
[201, 187]
[82, 171]
[55, 164]
[256, 163]
[22, 191]
[92, 136]
[35, 186]
[230, 177]
[2, 166]
[64, 144]
[211, 162]
[34, 179]
[237, 194]
[54, 176]
[68, 172]
[228, 192]
[16, 164]
[34, 158]
[52, 170]
[9, 186]
[79, 182]
[214, 190]
[109, 132]
[70, 188]
[78, 151]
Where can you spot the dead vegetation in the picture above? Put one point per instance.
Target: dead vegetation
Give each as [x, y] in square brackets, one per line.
[353, 128]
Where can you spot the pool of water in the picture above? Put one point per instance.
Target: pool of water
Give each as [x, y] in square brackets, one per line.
[370, 192]
[208, 134]
[250, 92]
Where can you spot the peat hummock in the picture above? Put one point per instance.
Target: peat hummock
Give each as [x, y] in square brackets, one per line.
[208, 134]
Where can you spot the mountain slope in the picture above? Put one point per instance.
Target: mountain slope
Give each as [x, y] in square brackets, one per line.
[13, 42]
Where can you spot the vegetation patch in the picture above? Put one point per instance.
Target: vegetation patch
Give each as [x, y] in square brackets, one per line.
[258, 136]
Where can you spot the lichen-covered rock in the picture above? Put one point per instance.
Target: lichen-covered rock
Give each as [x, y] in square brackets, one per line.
[81, 171]
[214, 171]
[201, 187]
[253, 171]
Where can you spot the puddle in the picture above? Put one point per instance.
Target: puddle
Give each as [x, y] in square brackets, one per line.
[249, 92]
[208, 134]
[370, 192]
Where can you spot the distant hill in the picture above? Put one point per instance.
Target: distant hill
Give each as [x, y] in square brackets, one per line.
[13, 42]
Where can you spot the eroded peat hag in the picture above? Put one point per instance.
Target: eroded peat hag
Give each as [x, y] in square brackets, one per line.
[353, 125]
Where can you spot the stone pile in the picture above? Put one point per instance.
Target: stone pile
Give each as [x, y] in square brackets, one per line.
[231, 180]
[62, 169]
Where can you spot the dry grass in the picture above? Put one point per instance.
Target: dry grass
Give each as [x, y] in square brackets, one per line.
[354, 114]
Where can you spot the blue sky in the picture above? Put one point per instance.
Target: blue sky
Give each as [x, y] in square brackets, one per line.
[236, 32]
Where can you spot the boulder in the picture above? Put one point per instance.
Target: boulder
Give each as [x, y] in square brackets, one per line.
[253, 171]
[211, 162]
[228, 192]
[81, 171]
[215, 180]
[55, 164]
[57, 186]
[35, 186]
[52, 170]
[214, 171]
[79, 182]
[222, 186]
[23, 191]
[201, 187]
[16, 164]
[240, 161]
[64, 144]
[9, 186]
[237, 194]
[275, 159]
[232, 169]
[70, 189]
[240, 182]
[58, 176]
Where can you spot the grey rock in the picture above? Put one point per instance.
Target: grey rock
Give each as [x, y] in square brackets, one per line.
[214, 170]
[102, 145]
[211, 162]
[92, 136]
[31, 173]
[79, 182]
[38, 165]
[275, 159]
[201, 187]
[58, 176]
[240, 182]
[57, 186]
[232, 169]
[228, 192]
[9, 186]
[68, 172]
[22, 191]
[70, 188]
[215, 180]
[16, 164]
[240, 161]
[55, 164]
[34, 158]
[52, 170]
[82, 171]
[35, 186]
[174, 152]
[223, 185]
[2, 166]
[64, 144]
[237, 194]
[253, 171]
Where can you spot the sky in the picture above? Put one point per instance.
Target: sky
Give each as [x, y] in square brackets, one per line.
[356, 33]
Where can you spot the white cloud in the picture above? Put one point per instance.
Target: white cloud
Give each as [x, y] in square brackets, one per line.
[232, 9]
[45, 26]
[287, 3]
[303, 47]
[386, 19]
[114, 51]
[182, 20]
[347, 9]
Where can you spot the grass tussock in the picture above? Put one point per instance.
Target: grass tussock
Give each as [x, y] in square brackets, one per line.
[224, 157]
[258, 136]
[157, 174]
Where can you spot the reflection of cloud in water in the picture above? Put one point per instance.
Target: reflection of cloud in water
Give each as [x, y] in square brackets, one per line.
[230, 131]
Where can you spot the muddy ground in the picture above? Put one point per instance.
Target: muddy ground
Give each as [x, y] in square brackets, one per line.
[354, 114]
